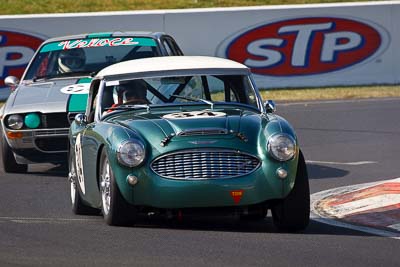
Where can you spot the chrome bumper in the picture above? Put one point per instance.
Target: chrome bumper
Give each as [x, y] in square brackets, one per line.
[39, 139]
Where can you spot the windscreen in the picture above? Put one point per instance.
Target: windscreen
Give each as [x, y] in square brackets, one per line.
[180, 89]
[88, 56]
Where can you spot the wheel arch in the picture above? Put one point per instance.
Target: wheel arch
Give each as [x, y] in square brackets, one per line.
[98, 159]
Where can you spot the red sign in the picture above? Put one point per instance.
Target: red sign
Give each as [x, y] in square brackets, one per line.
[16, 50]
[237, 195]
[304, 46]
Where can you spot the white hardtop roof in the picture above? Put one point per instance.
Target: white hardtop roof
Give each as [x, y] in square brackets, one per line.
[171, 63]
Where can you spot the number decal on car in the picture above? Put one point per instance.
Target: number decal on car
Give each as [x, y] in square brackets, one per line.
[79, 88]
[194, 115]
[79, 162]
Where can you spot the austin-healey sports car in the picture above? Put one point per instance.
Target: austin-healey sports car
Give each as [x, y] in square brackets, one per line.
[180, 135]
[54, 88]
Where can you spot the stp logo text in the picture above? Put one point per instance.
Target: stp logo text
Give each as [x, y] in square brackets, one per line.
[304, 46]
[16, 50]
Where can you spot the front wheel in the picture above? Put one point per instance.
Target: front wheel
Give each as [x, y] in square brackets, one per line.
[116, 210]
[293, 213]
[10, 165]
[78, 206]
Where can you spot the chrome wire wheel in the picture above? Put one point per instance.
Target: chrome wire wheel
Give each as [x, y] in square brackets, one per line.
[116, 211]
[79, 207]
[72, 181]
[105, 186]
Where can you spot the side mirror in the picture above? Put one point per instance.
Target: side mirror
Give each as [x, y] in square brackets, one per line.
[270, 106]
[12, 82]
[80, 119]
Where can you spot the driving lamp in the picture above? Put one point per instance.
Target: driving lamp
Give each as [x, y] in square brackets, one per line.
[281, 147]
[15, 122]
[131, 153]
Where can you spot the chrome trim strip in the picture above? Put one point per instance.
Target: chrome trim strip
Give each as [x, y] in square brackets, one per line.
[29, 137]
[40, 132]
[203, 131]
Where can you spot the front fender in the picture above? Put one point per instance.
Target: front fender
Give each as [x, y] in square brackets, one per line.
[278, 125]
[111, 136]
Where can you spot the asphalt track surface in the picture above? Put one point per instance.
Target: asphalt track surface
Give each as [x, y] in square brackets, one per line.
[345, 143]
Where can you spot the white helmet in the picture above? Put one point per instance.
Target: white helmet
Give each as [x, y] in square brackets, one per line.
[71, 60]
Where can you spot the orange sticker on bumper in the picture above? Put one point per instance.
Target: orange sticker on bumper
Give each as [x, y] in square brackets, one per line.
[237, 195]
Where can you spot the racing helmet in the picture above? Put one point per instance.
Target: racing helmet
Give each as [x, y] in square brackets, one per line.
[130, 91]
[71, 60]
[134, 90]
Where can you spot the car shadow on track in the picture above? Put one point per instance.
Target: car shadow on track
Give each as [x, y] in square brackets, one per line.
[59, 170]
[316, 171]
[43, 169]
[213, 224]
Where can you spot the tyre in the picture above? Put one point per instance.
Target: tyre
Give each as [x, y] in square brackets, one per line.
[115, 209]
[293, 213]
[10, 165]
[78, 206]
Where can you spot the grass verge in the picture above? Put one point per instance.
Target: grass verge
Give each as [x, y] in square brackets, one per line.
[68, 6]
[332, 93]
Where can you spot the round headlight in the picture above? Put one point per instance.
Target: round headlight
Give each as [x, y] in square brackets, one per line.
[131, 153]
[32, 120]
[15, 122]
[281, 147]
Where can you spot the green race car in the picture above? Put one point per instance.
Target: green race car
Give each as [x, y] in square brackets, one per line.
[180, 135]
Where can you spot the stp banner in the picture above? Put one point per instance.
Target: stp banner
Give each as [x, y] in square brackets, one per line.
[285, 46]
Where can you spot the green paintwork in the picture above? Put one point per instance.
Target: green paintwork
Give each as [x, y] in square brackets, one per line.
[50, 47]
[77, 102]
[99, 34]
[155, 191]
[84, 80]
[145, 41]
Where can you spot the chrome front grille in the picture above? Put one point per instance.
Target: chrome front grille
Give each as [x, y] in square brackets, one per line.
[51, 132]
[55, 120]
[205, 164]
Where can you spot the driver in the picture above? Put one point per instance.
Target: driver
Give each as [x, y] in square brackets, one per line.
[134, 92]
[130, 93]
[71, 60]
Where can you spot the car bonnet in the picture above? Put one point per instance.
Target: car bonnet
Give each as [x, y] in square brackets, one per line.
[64, 95]
[222, 122]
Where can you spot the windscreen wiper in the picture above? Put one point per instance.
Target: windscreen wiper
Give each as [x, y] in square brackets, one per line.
[129, 107]
[44, 77]
[67, 74]
[195, 100]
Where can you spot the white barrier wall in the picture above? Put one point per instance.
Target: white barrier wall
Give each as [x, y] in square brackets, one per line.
[285, 46]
